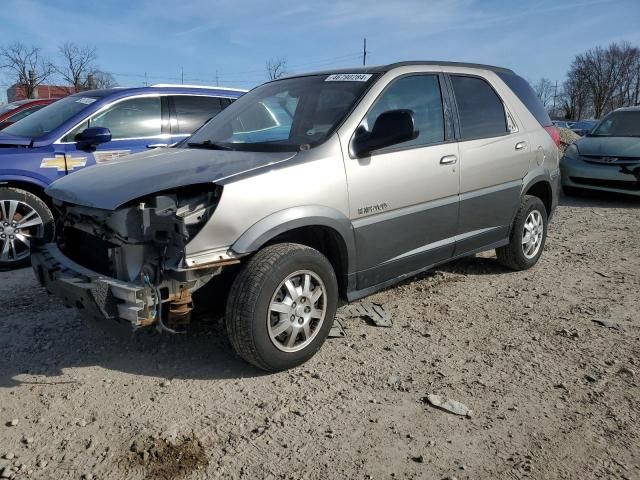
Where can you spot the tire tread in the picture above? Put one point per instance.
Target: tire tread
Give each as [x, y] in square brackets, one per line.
[511, 255]
[245, 288]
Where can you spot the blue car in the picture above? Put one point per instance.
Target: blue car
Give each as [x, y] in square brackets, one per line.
[81, 130]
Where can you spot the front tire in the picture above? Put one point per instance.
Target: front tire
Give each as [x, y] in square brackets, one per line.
[23, 217]
[281, 306]
[528, 236]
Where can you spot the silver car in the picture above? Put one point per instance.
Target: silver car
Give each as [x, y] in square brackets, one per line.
[608, 158]
[306, 190]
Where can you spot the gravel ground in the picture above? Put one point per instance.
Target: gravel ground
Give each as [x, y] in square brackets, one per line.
[554, 394]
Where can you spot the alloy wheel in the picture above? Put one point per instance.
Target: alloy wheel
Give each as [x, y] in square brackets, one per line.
[19, 222]
[532, 234]
[297, 311]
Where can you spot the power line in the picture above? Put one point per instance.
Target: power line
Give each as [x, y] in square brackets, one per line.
[237, 76]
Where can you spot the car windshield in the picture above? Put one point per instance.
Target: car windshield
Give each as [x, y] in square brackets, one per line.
[50, 117]
[9, 106]
[284, 115]
[619, 124]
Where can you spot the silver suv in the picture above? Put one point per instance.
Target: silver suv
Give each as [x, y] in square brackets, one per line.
[306, 190]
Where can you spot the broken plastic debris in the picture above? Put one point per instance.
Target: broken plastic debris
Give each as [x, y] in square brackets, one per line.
[336, 330]
[451, 406]
[608, 324]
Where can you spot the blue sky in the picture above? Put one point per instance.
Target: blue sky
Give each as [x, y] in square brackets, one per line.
[537, 38]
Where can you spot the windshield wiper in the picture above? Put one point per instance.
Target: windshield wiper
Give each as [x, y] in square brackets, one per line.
[208, 144]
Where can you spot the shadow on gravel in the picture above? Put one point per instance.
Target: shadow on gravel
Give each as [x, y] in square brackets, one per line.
[598, 199]
[45, 348]
[474, 266]
[40, 337]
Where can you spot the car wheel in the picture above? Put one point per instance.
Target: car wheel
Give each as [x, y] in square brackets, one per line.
[281, 306]
[23, 217]
[528, 235]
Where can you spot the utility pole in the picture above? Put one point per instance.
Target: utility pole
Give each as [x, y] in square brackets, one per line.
[364, 52]
[555, 94]
[217, 83]
[182, 75]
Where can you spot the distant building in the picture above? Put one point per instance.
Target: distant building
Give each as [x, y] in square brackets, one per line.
[18, 92]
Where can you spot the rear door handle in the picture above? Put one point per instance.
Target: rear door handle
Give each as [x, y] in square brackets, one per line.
[448, 160]
[521, 145]
[157, 145]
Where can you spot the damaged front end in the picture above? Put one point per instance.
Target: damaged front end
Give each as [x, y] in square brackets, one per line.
[128, 264]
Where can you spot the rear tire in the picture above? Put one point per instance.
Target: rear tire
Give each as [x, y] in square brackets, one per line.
[528, 236]
[23, 217]
[281, 306]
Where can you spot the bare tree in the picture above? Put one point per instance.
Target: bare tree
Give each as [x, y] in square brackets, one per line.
[574, 98]
[76, 64]
[102, 79]
[609, 75]
[545, 90]
[276, 67]
[26, 65]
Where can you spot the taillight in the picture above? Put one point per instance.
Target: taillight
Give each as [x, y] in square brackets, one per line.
[554, 133]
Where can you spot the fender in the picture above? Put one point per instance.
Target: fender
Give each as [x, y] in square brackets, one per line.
[24, 179]
[291, 218]
[534, 177]
[550, 177]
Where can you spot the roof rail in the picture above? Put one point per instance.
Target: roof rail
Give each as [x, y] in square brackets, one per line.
[198, 86]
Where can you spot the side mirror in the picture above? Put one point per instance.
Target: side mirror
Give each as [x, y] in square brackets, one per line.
[391, 128]
[93, 136]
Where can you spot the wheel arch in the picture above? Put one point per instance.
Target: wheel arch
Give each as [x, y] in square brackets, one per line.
[322, 228]
[29, 184]
[541, 187]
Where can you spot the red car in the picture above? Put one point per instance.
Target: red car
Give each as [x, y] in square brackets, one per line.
[14, 111]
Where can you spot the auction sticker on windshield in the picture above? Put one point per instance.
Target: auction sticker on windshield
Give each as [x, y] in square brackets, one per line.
[86, 100]
[348, 77]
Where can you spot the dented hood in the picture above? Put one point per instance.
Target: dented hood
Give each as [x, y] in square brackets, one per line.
[111, 185]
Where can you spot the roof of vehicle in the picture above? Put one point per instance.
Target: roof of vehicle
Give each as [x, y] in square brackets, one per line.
[628, 109]
[168, 88]
[31, 100]
[391, 66]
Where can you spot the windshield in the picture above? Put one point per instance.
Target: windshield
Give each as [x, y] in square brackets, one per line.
[285, 115]
[8, 107]
[50, 117]
[619, 124]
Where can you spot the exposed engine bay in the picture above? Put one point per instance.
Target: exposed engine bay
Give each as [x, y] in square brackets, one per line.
[143, 243]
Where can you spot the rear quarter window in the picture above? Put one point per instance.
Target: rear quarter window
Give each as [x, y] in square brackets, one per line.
[525, 93]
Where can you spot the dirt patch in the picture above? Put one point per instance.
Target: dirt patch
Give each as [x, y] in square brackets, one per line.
[162, 459]
[548, 360]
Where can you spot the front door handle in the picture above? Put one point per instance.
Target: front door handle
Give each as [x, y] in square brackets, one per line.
[448, 160]
[157, 145]
[521, 145]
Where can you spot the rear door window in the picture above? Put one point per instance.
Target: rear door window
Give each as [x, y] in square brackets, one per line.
[193, 111]
[480, 109]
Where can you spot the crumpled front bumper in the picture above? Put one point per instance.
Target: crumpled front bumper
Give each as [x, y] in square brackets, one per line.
[94, 294]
